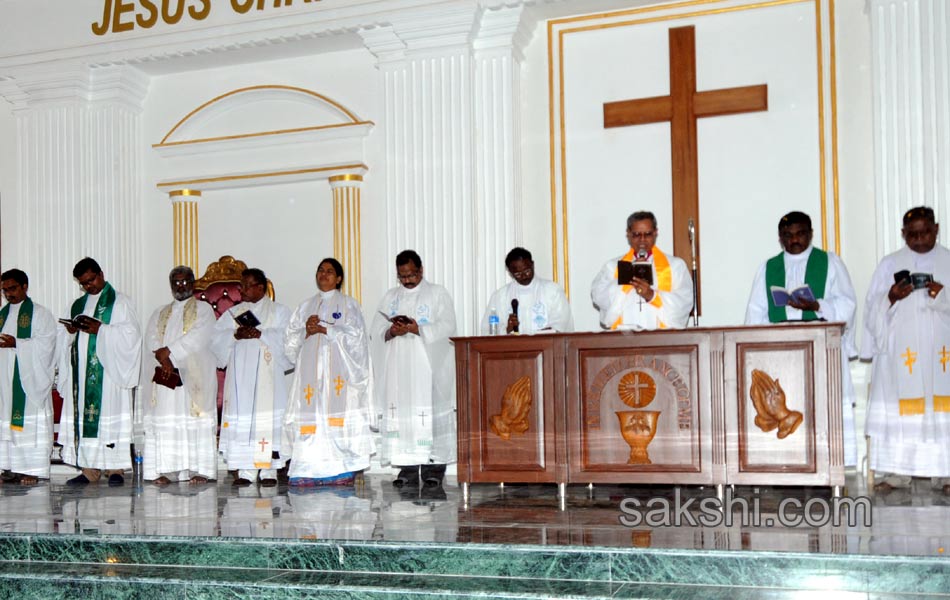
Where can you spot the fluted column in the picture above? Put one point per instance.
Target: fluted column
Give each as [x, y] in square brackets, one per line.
[498, 57]
[911, 68]
[185, 227]
[346, 231]
[450, 85]
[79, 174]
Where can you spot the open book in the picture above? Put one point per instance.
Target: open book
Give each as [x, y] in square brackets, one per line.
[401, 319]
[781, 296]
[627, 270]
[81, 322]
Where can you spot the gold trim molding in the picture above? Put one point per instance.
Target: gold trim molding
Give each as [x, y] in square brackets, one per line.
[354, 120]
[346, 177]
[262, 175]
[184, 192]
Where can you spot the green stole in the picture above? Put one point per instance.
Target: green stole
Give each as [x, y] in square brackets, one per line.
[816, 274]
[93, 389]
[24, 328]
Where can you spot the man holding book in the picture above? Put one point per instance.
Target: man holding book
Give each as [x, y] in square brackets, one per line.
[416, 376]
[180, 388]
[249, 342]
[907, 336]
[645, 288]
[804, 283]
[100, 352]
[27, 357]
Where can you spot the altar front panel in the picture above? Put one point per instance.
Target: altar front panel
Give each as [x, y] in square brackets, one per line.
[634, 408]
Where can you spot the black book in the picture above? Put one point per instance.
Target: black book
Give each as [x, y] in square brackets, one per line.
[627, 270]
[81, 322]
[247, 319]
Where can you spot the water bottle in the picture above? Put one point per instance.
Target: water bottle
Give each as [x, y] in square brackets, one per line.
[493, 322]
[137, 470]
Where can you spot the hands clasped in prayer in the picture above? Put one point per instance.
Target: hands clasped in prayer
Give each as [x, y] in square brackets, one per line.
[314, 326]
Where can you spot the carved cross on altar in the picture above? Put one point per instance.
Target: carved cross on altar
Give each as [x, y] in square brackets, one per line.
[681, 108]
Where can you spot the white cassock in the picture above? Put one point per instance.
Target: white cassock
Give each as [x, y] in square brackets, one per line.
[255, 387]
[326, 425]
[330, 514]
[27, 451]
[671, 304]
[119, 350]
[416, 377]
[838, 305]
[542, 306]
[909, 343]
[180, 423]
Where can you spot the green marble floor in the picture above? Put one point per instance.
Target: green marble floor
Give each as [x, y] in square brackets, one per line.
[375, 541]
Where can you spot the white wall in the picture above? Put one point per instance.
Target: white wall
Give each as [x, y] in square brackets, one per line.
[8, 158]
[283, 229]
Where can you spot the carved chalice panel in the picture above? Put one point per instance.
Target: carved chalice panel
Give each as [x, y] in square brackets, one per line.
[515, 406]
[768, 398]
[638, 428]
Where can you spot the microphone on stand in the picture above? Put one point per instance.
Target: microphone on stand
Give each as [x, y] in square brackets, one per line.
[514, 311]
[691, 229]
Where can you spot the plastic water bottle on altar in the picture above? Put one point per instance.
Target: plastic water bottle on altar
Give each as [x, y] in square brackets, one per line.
[493, 322]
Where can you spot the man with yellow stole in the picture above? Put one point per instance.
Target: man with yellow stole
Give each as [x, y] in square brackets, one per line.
[179, 388]
[665, 302]
[907, 335]
[27, 354]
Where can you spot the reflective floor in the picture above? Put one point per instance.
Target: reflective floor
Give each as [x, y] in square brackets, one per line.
[904, 522]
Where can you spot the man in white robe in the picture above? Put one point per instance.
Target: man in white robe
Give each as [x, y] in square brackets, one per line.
[907, 336]
[27, 362]
[179, 388]
[255, 387]
[100, 357]
[329, 410]
[416, 375]
[641, 304]
[532, 304]
[824, 272]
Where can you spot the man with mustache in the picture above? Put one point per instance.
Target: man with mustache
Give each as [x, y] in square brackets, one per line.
[801, 263]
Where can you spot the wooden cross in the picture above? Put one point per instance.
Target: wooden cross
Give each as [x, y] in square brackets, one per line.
[637, 386]
[681, 108]
[308, 393]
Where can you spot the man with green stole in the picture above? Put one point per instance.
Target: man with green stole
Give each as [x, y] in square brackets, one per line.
[831, 298]
[100, 358]
[27, 354]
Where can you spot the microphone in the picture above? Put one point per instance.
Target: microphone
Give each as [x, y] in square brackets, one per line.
[514, 311]
[641, 254]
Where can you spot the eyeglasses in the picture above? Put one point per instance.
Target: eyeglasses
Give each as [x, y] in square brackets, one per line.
[409, 276]
[522, 272]
[181, 282]
[641, 235]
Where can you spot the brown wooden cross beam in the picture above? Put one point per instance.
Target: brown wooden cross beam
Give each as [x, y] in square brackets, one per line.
[681, 108]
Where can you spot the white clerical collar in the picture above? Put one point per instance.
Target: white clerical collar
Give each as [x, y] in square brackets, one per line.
[258, 303]
[800, 256]
[326, 295]
[525, 288]
[413, 290]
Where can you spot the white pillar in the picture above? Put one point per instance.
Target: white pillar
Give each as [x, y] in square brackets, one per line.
[347, 245]
[450, 83]
[911, 68]
[185, 228]
[78, 169]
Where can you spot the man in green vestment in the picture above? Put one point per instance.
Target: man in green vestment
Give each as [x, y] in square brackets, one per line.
[27, 360]
[831, 299]
[100, 359]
